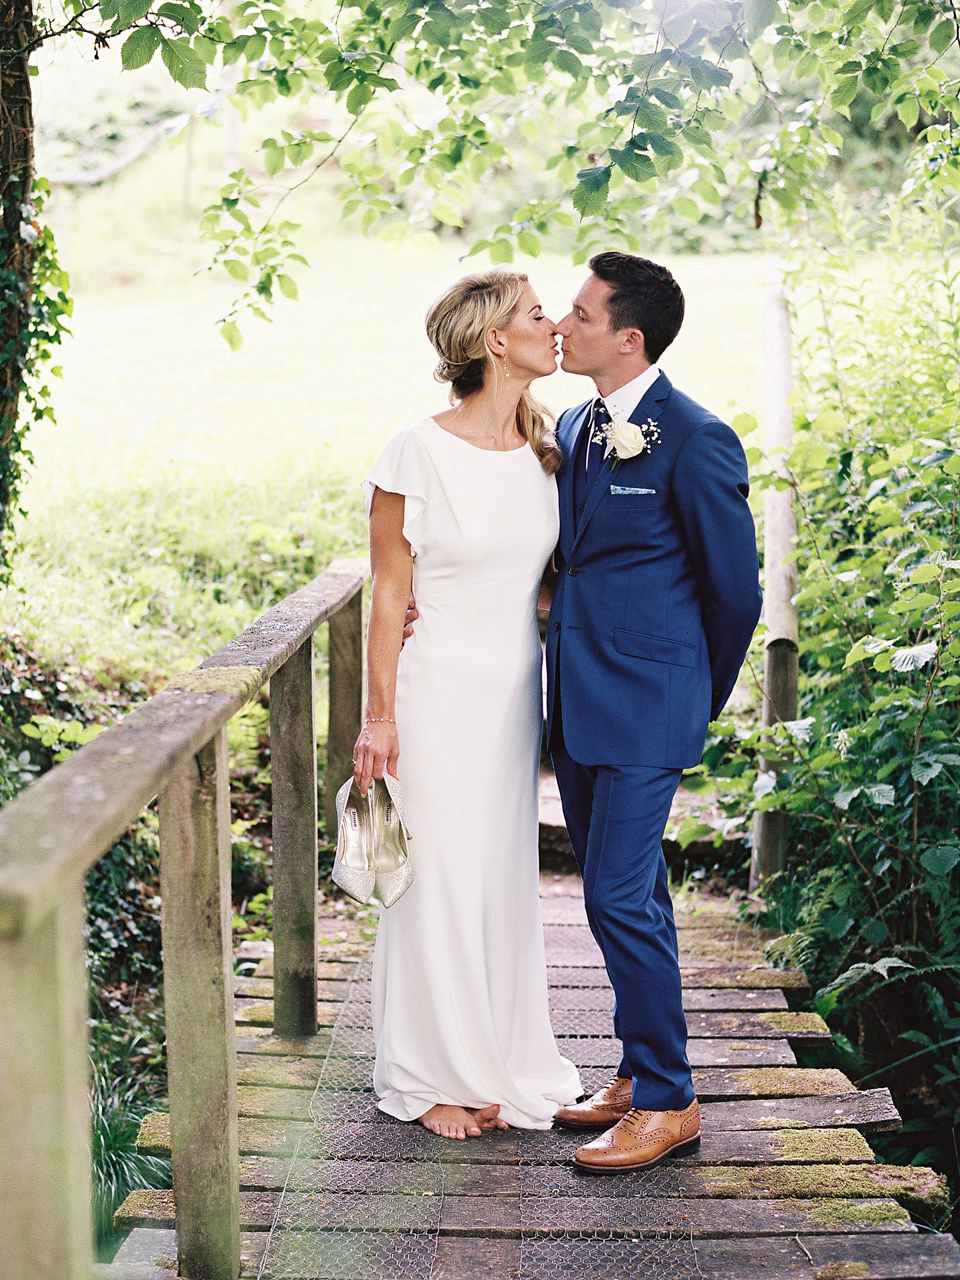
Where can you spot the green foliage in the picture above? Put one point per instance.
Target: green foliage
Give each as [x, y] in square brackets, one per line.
[41, 306]
[117, 1106]
[870, 771]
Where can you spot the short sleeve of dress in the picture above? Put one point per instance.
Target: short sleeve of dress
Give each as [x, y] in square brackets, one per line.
[401, 468]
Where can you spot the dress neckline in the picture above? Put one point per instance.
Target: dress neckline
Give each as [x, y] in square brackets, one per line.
[476, 447]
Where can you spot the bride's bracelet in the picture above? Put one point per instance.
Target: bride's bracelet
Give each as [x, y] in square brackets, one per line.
[379, 720]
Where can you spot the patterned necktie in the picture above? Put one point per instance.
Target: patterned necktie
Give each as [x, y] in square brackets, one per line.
[596, 452]
[591, 457]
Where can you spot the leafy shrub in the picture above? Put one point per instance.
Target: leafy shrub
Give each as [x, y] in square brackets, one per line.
[869, 772]
[117, 1106]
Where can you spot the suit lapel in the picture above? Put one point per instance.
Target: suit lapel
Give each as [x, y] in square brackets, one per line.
[568, 512]
[650, 406]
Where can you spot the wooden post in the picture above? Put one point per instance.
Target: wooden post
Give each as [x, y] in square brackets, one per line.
[346, 697]
[781, 664]
[44, 1098]
[198, 998]
[293, 757]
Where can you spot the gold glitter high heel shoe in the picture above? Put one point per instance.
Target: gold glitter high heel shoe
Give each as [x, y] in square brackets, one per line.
[353, 865]
[394, 870]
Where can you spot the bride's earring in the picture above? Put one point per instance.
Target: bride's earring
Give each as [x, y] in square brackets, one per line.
[506, 371]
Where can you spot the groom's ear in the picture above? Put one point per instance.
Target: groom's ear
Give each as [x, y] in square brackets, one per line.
[632, 343]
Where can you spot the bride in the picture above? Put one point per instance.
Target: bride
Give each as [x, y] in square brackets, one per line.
[463, 513]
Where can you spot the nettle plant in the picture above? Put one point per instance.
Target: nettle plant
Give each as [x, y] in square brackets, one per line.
[870, 770]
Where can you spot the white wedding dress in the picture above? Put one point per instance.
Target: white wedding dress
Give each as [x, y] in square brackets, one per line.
[459, 982]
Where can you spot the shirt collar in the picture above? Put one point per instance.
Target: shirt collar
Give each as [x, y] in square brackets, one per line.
[622, 402]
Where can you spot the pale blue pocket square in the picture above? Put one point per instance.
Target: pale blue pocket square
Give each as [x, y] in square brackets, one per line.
[619, 488]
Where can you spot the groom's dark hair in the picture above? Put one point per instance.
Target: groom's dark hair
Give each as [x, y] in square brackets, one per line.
[645, 297]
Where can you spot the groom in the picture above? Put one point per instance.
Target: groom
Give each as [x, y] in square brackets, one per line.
[656, 600]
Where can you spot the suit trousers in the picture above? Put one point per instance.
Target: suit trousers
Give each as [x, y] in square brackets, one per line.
[616, 817]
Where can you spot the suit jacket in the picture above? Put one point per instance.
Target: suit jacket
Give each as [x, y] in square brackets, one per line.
[658, 591]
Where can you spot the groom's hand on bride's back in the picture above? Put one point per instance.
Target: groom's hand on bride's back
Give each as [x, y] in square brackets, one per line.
[411, 616]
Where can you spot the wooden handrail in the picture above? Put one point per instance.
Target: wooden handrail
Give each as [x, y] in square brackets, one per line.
[174, 747]
[64, 822]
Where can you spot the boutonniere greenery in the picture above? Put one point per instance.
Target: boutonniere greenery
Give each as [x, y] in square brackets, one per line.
[627, 439]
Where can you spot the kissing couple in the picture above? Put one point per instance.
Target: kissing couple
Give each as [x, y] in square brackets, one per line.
[631, 521]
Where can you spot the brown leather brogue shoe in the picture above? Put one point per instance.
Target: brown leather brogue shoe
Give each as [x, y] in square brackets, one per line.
[606, 1107]
[642, 1140]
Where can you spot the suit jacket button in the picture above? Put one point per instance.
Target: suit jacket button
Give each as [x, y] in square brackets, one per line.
[573, 571]
[556, 626]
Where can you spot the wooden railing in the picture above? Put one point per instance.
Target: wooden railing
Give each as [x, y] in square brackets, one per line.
[173, 747]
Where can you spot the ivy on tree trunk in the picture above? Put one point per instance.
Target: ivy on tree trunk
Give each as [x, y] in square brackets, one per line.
[17, 240]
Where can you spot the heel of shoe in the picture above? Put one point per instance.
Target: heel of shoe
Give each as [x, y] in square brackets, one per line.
[687, 1148]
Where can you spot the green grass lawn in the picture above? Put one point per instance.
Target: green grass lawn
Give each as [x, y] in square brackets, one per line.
[185, 486]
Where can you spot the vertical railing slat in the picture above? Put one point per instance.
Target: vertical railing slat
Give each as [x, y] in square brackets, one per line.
[346, 697]
[293, 763]
[44, 1098]
[198, 1000]
[781, 663]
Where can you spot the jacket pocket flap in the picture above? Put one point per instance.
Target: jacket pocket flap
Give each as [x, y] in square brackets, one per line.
[655, 648]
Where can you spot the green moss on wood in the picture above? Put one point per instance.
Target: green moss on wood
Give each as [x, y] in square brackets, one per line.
[795, 1024]
[154, 1136]
[916, 1188]
[821, 1146]
[781, 1082]
[865, 1213]
[242, 681]
[257, 1015]
[145, 1209]
[842, 1271]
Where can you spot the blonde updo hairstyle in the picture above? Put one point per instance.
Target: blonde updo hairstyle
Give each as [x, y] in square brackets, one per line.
[457, 325]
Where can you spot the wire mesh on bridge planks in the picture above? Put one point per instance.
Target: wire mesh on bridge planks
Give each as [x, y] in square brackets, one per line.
[370, 1198]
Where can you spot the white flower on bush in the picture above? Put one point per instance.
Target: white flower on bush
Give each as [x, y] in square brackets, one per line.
[628, 439]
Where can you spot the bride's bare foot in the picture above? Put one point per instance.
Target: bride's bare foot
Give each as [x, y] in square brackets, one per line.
[462, 1122]
[489, 1117]
[451, 1122]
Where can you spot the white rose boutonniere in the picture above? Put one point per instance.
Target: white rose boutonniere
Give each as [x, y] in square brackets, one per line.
[629, 439]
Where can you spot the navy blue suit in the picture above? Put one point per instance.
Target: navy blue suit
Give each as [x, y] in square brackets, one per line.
[656, 601]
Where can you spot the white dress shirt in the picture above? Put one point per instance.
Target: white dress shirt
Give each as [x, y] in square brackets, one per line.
[622, 402]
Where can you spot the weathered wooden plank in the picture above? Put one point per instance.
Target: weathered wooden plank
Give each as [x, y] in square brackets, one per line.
[810, 1257]
[596, 1052]
[470, 1259]
[719, 977]
[380, 1140]
[198, 995]
[695, 999]
[646, 1215]
[293, 761]
[134, 1271]
[714, 1083]
[824, 1257]
[146, 1246]
[274, 1103]
[918, 1189]
[701, 913]
[870, 1110]
[262, 1041]
[276, 1072]
[744, 977]
[260, 1013]
[500, 1215]
[915, 1187]
[799, 1028]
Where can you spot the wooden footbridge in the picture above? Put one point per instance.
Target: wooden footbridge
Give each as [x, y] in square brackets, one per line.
[283, 1168]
